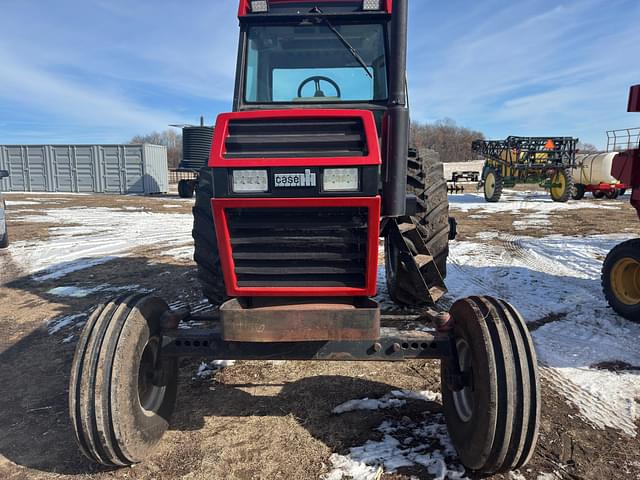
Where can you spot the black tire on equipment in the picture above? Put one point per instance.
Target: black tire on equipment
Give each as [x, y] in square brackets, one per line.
[612, 194]
[578, 191]
[425, 180]
[206, 246]
[598, 194]
[498, 429]
[493, 184]
[562, 195]
[115, 358]
[186, 188]
[630, 251]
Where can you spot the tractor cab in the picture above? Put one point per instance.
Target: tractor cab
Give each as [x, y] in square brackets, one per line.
[313, 55]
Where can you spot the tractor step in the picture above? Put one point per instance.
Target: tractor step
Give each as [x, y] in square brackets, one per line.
[419, 282]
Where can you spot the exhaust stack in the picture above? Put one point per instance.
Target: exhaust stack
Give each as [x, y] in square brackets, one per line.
[397, 141]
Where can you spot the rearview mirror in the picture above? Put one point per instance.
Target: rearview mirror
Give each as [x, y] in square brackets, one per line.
[3, 174]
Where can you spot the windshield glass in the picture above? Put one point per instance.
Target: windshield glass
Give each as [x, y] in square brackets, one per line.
[310, 63]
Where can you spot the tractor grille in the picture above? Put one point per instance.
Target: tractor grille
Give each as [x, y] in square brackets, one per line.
[296, 138]
[299, 247]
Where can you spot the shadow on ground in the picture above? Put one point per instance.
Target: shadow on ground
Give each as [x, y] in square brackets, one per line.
[35, 429]
[34, 422]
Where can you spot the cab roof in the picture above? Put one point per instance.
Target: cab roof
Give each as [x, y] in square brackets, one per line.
[346, 6]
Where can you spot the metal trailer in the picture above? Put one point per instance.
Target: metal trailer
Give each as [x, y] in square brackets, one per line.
[117, 169]
[456, 183]
[287, 221]
[544, 160]
[593, 172]
[621, 268]
[4, 234]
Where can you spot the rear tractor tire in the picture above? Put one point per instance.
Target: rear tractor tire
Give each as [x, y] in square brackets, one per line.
[562, 185]
[122, 392]
[206, 245]
[621, 279]
[492, 185]
[425, 180]
[493, 411]
[578, 191]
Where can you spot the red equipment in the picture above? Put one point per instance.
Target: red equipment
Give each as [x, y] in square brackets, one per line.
[300, 186]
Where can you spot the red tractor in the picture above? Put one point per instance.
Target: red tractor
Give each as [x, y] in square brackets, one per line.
[305, 176]
[621, 269]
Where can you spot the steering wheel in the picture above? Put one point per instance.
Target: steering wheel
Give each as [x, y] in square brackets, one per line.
[319, 93]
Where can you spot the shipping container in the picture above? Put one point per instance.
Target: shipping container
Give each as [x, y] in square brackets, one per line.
[119, 169]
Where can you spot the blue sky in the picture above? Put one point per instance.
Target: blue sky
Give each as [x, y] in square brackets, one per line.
[90, 71]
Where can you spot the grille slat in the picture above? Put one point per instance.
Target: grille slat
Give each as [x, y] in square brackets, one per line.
[294, 247]
[295, 138]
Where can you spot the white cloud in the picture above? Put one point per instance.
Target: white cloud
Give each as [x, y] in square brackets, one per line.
[530, 67]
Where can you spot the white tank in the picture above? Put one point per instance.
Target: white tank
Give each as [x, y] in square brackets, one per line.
[594, 168]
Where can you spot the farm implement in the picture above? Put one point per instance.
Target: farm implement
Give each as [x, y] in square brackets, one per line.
[621, 268]
[305, 176]
[547, 161]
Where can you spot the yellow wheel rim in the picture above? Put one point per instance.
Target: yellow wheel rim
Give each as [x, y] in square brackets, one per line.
[560, 180]
[625, 281]
[489, 185]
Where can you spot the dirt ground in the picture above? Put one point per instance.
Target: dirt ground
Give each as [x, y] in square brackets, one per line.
[253, 420]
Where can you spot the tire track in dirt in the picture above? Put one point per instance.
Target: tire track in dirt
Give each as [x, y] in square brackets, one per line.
[601, 414]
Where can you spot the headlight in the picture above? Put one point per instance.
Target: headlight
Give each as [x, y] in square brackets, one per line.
[246, 181]
[259, 6]
[371, 5]
[340, 180]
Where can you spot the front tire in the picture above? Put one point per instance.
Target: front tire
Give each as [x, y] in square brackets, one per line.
[621, 279]
[493, 418]
[122, 392]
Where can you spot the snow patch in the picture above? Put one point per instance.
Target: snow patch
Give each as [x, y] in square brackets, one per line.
[404, 444]
[57, 324]
[514, 202]
[104, 234]
[394, 399]
[556, 280]
[71, 291]
[207, 369]
[180, 253]
[17, 203]
[81, 292]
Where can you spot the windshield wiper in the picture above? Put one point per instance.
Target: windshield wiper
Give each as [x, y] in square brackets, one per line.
[344, 42]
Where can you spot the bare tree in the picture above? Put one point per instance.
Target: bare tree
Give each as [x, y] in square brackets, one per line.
[444, 136]
[586, 148]
[169, 138]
